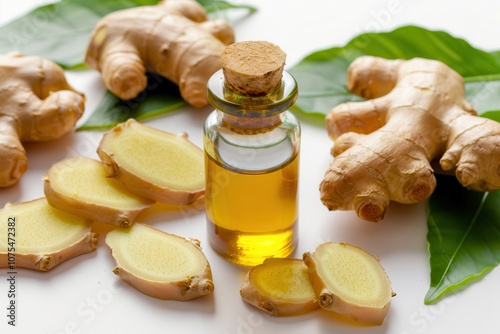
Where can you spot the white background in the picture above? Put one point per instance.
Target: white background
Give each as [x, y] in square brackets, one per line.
[84, 296]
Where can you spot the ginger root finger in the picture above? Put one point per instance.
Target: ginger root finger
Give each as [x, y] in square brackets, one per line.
[124, 72]
[57, 115]
[172, 39]
[366, 176]
[422, 117]
[220, 29]
[44, 235]
[377, 81]
[14, 161]
[474, 152]
[37, 104]
[360, 117]
[194, 12]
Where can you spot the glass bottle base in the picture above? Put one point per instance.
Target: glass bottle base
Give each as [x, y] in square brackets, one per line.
[251, 249]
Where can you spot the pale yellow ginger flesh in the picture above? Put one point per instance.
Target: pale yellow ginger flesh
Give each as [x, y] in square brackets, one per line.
[172, 39]
[417, 114]
[42, 236]
[153, 163]
[350, 281]
[280, 287]
[37, 104]
[79, 185]
[160, 264]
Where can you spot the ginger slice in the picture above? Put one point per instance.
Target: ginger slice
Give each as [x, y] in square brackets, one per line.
[38, 236]
[80, 186]
[280, 287]
[350, 281]
[159, 264]
[153, 163]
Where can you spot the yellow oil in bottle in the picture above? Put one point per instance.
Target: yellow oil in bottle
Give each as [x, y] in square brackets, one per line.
[252, 144]
[252, 215]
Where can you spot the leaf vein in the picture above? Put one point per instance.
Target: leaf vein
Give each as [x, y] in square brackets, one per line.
[465, 236]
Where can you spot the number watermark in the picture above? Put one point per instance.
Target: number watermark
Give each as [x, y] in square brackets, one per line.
[11, 273]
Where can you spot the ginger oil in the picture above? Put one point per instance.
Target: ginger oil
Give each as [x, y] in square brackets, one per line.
[251, 144]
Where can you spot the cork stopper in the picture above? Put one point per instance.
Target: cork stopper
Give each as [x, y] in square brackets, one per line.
[253, 68]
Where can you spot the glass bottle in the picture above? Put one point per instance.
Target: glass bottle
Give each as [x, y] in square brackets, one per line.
[251, 165]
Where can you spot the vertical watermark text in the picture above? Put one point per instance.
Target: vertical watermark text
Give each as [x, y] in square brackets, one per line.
[11, 273]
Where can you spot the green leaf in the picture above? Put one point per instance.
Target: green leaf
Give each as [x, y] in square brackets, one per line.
[494, 115]
[463, 236]
[152, 102]
[464, 226]
[322, 75]
[212, 6]
[59, 31]
[496, 55]
[159, 97]
[322, 78]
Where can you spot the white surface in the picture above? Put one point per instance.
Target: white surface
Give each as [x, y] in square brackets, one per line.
[84, 296]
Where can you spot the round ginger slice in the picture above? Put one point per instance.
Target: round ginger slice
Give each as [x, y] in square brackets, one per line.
[280, 287]
[153, 163]
[159, 264]
[350, 281]
[38, 236]
[80, 186]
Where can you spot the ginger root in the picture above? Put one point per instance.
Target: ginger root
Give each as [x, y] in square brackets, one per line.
[280, 287]
[173, 39]
[159, 264]
[153, 163]
[40, 236]
[417, 114]
[37, 104]
[350, 281]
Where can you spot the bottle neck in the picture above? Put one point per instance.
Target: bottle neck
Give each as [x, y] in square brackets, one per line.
[251, 114]
[246, 125]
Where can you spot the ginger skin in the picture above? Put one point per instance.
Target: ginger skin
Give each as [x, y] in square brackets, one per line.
[417, 114]
[172, 39]
[38, 104]
[50, 236]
